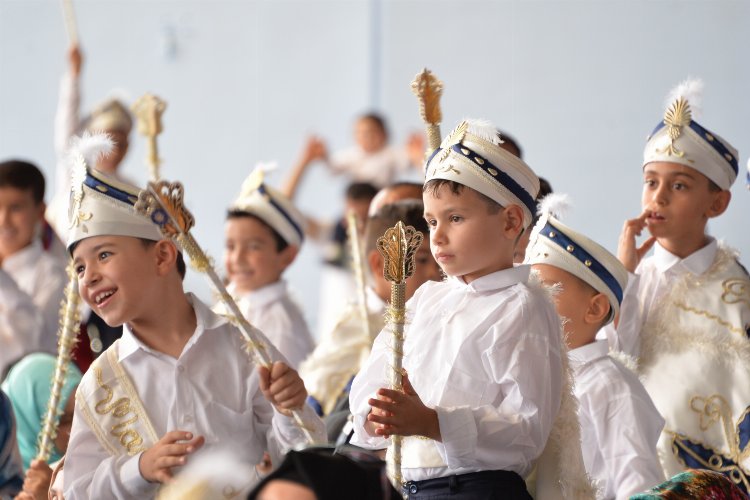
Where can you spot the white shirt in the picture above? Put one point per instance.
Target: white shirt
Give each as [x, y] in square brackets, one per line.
[211, 390]
[653, 278]
[486, 357]
[620, 425]
[272, 311]
[32, 284]
[380, 168]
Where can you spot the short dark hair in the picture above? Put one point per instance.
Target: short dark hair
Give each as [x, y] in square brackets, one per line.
[360, 191]
[433, 186]
[509, 140]
[281, 243]
[378, 120]
[409, 212]
[181, 267]
[23, 175]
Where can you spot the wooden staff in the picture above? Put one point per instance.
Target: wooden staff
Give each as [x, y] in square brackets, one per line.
[163, 203]
[70, 22]
[358, 263]
[428, 90]
[148, 110]
[398, 246]
[67, 335]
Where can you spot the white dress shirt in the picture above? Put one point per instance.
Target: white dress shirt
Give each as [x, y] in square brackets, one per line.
[380, 168]
[486, 357]
[32, 283]
[272, 310]
[653, 278]
[620, 425]
[211, 390]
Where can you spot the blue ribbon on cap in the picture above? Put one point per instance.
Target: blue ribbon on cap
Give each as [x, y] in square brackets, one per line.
[280, 209]
[109, 190]
[561, 239]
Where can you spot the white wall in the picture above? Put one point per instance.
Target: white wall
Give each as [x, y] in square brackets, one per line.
[579, 83]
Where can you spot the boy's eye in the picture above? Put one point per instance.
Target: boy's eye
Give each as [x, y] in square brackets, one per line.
[80, 269]
[456, 218]
[649, 182]
[104, 255]
[679, 186]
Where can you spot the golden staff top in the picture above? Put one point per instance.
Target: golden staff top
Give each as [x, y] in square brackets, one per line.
[67, 337]
[70, 21]
[428, 90]
[359, 271]
[162, 201]
[398, 246]
[148, 110]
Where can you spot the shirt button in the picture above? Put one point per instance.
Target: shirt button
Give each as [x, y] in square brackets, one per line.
[180, 368]
[413, 489]
[188, 418]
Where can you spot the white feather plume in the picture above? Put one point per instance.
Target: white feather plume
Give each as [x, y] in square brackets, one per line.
[555, 204]
[484, 129]
[691, 90]
[91, 146]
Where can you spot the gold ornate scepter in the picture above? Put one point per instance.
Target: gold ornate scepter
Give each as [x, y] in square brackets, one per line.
[67, 336]
[428, 90]
[162, 201]
[148, 110]
[70, 22]
[359, 271]
[398, 246]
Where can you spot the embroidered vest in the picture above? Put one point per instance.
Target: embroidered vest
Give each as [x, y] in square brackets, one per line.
[112, 408]
[695, 364]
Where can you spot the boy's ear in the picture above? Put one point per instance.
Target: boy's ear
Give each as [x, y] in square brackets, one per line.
[288, 255]
[719, 204]
[41, 209]
[513, 221]
[598, 309]
[376, 262]
[166, 257]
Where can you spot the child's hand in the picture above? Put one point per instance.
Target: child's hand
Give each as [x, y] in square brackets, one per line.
[170, 451]
[415, 150]
[75, 59]
[315, 149]
[282, 387]
[403, 414]
[37, 481]
[627, 251]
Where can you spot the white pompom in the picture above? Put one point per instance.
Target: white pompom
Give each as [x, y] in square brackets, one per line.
[692, 91]
[484, 129]
[554, 204]
[91, 146]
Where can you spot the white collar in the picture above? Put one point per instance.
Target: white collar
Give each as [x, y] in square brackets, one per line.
[205, 320]
[585, 354]
[27, 256]
[264, 295]
[495, 281]
[696, 263]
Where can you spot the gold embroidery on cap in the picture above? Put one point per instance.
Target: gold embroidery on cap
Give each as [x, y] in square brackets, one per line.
[677, 116]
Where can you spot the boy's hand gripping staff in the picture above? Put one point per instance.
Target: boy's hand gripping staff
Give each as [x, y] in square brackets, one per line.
[398, 246]
[359, 271]
[148, 110]
[428, 90]
[67, 336]
[162, 201]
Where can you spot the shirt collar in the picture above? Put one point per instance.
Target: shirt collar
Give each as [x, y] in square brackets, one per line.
[374, 303]
[27, 256]
[494, 281]
[696, 263]
[263, 296]
[205, 320]
[585, 354]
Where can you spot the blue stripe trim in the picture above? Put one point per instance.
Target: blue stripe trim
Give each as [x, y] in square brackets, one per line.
[109, 190]
[711, 139]
[280, 209]
[554, 234]
[315, 405]
[496, 173]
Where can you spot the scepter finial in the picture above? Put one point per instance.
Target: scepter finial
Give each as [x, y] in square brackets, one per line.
[148, 110]
[428, 90]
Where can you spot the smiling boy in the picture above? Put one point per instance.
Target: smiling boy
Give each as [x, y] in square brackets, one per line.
[179, 380]
[686, 310]
[482, 349]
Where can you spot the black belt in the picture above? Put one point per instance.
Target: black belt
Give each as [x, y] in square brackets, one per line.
[504, 484]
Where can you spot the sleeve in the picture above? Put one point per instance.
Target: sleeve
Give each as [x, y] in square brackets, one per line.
[21, 324]
[509, 427]
[91, 472]
[627, 429]
[625, 337]
[47, 300]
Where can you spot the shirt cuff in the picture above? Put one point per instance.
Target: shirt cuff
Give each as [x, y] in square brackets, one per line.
[458, 432]
[131, 478]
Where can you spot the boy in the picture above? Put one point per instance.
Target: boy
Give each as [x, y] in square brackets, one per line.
[31, 280]
[686, 310]
[482, 350]
[264, 233]
[339, 356]
[179, 379]
[619, 423]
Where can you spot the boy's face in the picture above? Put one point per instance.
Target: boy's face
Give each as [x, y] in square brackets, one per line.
[250, 255]
[369, 136]
[678, 200]
[19, 215]
[571, 302]
[425, 268]
[115, 274]
[465, 238]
